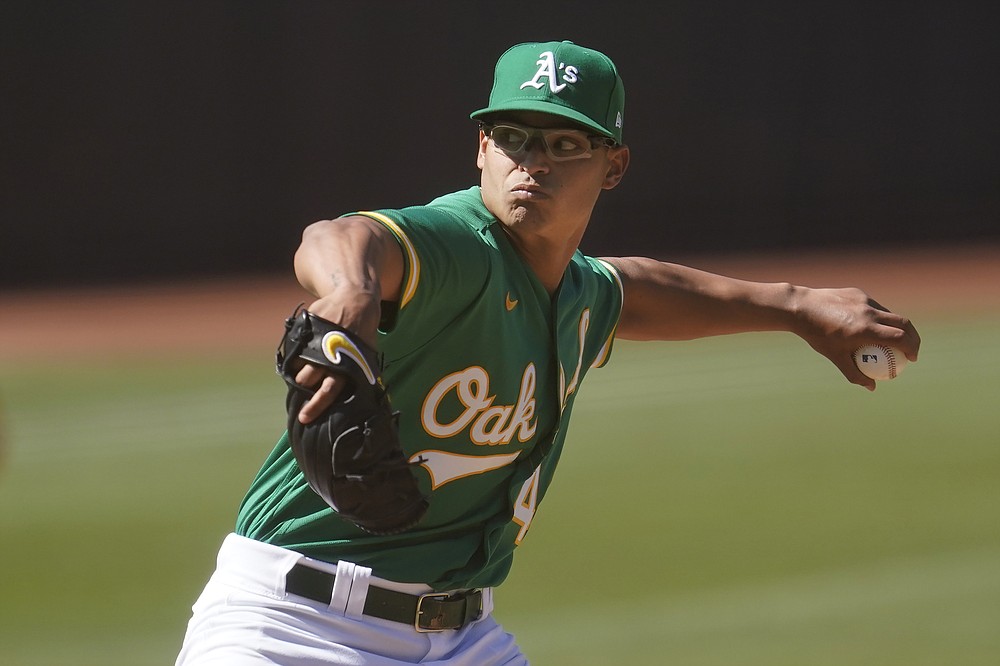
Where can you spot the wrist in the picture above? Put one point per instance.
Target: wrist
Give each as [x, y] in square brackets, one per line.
[356, 309]
[771, 306]
[793, 307]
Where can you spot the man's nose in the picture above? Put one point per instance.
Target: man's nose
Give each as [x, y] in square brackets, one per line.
[534, 155]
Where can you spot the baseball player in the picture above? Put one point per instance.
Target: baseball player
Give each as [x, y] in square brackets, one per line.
[487, 318]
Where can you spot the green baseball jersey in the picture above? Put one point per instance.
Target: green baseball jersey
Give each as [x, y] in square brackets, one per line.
[483, 366]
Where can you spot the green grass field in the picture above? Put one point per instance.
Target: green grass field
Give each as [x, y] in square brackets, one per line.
[729, 501]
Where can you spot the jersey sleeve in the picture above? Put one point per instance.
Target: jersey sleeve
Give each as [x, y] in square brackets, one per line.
[612, 297]
[446, 264]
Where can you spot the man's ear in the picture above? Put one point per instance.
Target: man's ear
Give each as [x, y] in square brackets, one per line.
[481, 157]
[618, 158]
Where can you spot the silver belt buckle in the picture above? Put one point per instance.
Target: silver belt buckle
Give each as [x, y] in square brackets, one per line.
[429, 625]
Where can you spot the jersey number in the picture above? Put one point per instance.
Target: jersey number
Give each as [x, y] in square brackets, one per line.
[524, 506]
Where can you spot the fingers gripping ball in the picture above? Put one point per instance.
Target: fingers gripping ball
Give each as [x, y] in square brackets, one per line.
[351, 454]
[880, 362]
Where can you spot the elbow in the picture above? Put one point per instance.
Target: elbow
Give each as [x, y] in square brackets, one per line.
[310, 247]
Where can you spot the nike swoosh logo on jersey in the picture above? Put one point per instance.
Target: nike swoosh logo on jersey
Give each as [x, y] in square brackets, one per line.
[446, 467]
[511, 303]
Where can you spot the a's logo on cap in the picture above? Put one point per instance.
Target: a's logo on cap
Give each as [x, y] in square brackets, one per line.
[547, 69]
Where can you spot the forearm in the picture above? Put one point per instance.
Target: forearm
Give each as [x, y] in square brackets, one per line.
[348, 253]
[350, 265]
[672, 302]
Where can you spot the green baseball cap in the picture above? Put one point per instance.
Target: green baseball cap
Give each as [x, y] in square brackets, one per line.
[563, 79]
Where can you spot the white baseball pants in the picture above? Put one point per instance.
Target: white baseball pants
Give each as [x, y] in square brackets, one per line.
[245, 617]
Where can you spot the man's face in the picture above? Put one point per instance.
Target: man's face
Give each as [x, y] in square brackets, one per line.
[532, 191]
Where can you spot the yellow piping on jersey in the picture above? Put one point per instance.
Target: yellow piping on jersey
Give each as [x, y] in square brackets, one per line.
[582, 328]
[602, 355]
[413, 274]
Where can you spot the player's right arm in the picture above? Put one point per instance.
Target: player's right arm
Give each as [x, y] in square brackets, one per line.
[663, 301]
[350, 265]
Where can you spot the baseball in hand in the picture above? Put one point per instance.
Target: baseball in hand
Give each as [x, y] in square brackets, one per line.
[879, 361]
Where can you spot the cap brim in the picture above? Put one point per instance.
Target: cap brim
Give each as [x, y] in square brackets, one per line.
[542, 106]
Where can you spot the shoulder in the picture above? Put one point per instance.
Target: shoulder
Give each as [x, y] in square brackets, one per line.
[596, 286]
[451, 213]
[600, 275]
[446, 245]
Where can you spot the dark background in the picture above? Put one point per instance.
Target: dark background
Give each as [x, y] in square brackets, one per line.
[145, 141]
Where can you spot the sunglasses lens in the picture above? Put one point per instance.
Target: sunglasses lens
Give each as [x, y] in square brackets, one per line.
[559, 144]
[511, 139]
[567, 144]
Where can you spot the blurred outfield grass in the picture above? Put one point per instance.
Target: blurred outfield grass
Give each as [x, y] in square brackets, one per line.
[727, 501]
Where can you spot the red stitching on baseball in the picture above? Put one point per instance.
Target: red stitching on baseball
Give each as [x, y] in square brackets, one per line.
[890, 359]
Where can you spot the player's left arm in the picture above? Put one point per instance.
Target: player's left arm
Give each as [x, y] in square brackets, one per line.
[663, 301]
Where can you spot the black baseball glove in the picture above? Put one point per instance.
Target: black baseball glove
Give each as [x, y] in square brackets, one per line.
[350, 454]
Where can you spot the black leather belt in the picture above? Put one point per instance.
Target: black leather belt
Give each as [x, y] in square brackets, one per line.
[424, 612]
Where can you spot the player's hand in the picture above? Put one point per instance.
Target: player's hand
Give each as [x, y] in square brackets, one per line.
[356, 314]
[328, 387]
[835, 322]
